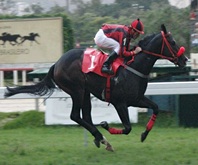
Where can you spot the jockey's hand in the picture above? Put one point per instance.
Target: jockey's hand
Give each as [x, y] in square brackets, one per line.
[137, 50]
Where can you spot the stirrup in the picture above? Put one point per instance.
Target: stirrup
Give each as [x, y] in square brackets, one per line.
[106, 70]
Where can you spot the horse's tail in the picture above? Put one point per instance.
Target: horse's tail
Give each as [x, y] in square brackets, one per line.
[44, 87]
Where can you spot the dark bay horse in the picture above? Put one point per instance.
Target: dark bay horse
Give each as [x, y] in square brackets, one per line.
[12, 38]
[31, 37]
[127, 87]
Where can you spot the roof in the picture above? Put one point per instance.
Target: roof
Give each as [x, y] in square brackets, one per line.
[39, 71]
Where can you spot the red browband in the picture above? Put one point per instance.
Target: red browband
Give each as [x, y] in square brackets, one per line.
[175, 55]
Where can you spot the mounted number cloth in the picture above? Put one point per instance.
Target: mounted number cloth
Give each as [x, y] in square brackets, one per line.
[92, 62]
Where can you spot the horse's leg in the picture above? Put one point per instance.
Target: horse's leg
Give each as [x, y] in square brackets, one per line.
[86, 115]
[3, 43]
[122, 111]
[75, 115]
[22, 40]
[36, 41]
[86, 108]
[78, 103]
[146, 103]
[12, 43]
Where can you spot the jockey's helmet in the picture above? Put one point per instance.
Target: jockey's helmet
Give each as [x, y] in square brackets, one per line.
[138, 26]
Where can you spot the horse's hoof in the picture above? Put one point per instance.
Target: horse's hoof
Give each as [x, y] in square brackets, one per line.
[97, 143]
[144, 135]
[104, 125]
[107, 144]
[110, 148]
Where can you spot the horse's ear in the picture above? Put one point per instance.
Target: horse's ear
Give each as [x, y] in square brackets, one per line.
[164, 29]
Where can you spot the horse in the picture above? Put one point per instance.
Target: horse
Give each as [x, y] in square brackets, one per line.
[127, 86]
[11, 38]
[31, 37]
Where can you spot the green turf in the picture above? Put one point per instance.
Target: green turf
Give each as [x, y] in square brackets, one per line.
[32, 143]
[74, 146]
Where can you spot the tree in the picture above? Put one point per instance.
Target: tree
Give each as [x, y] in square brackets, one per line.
[89, 17]
[7, 7]
[56, 9]
[36, 8]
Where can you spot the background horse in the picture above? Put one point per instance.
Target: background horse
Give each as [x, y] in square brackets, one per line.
[31, 38]
[12, 38]
[127, 89]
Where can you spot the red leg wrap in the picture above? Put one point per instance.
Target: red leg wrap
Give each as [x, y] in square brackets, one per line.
[115, 131]
[151, 122]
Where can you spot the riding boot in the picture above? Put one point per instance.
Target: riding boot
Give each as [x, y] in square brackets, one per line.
[106, 65]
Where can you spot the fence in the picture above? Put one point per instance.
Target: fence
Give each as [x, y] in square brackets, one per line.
[57, 113]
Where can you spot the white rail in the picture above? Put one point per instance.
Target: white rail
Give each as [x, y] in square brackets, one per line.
[160, 88]
[57, 108]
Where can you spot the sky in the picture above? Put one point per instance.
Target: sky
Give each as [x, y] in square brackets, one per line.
[180, 3]
[47, 4]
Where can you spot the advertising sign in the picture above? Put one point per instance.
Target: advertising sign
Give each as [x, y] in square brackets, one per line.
[31, 40]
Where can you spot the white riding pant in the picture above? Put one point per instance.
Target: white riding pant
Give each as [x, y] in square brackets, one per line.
[103, 41]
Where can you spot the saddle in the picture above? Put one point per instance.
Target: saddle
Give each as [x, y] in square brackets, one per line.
[93, 60]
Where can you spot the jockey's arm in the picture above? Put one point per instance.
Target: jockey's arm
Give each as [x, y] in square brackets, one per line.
[124, 47]
[132, 52]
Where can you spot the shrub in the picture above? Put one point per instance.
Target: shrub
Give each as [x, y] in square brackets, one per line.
[26, 119]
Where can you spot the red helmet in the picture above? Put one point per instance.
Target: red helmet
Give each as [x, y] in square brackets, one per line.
[138, 26]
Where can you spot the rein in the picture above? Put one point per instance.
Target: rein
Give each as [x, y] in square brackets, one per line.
[174, 58]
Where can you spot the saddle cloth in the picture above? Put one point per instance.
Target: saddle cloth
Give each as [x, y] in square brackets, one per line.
[93, 60]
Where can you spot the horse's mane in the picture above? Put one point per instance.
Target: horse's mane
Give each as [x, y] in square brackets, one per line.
[145, 41]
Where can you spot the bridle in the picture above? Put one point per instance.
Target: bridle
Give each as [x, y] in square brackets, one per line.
[174, 58]
[174, 54]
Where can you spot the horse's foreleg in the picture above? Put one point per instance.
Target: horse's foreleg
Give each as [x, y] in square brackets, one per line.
[11, 42]
[36, 41]
[146, 103]
[75, 116]
[86, 115]
[83, 101]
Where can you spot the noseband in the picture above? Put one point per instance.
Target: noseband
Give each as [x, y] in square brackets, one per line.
[174, 54]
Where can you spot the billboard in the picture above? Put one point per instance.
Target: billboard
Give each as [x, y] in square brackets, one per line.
[37, 40]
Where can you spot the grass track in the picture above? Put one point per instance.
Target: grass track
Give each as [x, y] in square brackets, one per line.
[66, 146]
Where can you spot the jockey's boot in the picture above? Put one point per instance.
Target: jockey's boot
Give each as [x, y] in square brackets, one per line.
[106, 65]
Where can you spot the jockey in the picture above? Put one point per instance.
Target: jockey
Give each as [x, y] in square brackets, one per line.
[117, 38]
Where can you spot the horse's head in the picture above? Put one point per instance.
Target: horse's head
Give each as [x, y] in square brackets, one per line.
[36, 35]
[4, 34]
[164, 46]
[172, 49]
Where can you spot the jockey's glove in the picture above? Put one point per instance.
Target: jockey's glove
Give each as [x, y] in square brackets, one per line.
[137, 50]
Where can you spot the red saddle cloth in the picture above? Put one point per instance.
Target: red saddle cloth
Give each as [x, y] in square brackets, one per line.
[93, 60]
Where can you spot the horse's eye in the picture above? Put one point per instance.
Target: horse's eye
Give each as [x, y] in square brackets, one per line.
[173, 43]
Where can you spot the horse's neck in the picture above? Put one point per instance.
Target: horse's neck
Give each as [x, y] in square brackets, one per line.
[143, 63]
